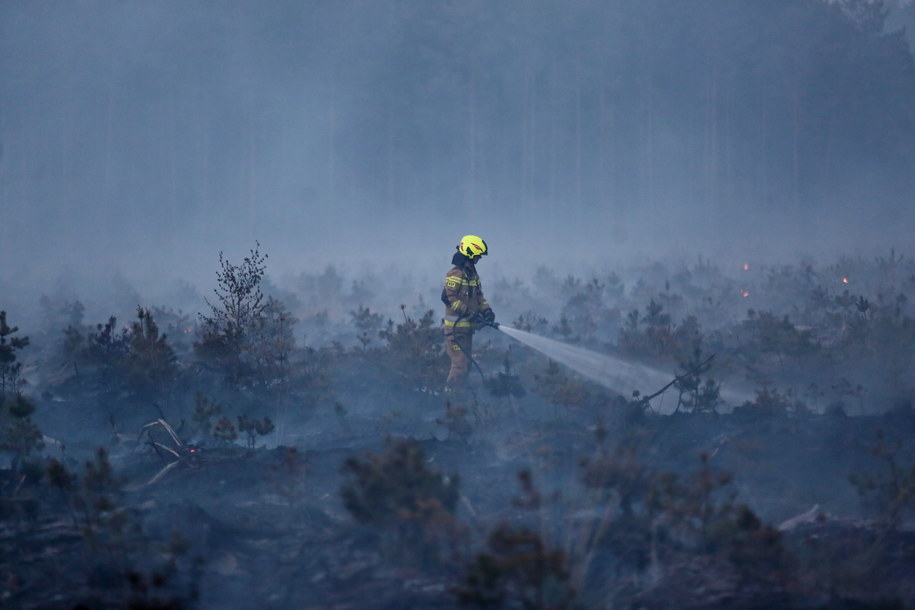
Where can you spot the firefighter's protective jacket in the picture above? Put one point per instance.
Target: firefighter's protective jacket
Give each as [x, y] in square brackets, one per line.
[462, 295]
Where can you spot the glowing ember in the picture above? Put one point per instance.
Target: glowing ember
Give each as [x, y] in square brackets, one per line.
[746, 267]
[745, 293]
[844, 280]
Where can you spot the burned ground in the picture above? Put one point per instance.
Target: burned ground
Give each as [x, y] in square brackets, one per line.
[333, 474]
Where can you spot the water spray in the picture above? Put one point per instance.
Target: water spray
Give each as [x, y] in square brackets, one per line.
[609, 371]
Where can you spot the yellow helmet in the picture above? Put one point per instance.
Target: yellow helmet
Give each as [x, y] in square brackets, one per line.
[472, 246]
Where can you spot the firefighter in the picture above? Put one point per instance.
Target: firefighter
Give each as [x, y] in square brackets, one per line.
[465, 306]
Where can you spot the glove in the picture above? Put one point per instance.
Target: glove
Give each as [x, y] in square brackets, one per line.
[484, 318]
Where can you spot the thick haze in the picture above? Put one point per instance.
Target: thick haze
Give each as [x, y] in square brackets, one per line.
[145, 137]
[699, 215]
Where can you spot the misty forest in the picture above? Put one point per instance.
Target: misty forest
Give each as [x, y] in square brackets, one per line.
[224, 230]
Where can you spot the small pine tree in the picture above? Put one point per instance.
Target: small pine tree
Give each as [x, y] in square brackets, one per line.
[247, 336]
[104, 353]
[150, 363]
[10, 369]
[254, 428]
[413, 351]
[18, 433]
[239, 295]
[240, 305]
[411, 506]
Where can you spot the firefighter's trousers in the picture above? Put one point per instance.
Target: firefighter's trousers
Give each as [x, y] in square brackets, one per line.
[459, 345]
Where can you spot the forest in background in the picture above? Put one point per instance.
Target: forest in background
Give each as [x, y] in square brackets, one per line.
[772, 126]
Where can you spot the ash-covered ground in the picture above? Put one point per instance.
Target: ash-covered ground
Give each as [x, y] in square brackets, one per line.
[291, 448]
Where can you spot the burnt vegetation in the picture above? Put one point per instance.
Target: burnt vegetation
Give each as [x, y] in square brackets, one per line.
[273, 443]
[232, 458]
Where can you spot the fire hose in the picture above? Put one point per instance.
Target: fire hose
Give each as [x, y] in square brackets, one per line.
[479, 321]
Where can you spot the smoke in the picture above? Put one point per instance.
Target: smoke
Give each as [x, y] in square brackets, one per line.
[144, 138]
[616, 156]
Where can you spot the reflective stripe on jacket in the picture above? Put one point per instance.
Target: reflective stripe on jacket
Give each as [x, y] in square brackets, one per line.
[458, 322]
[464, 295]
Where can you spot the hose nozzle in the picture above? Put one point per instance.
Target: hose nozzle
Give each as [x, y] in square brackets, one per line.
[481, 320]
